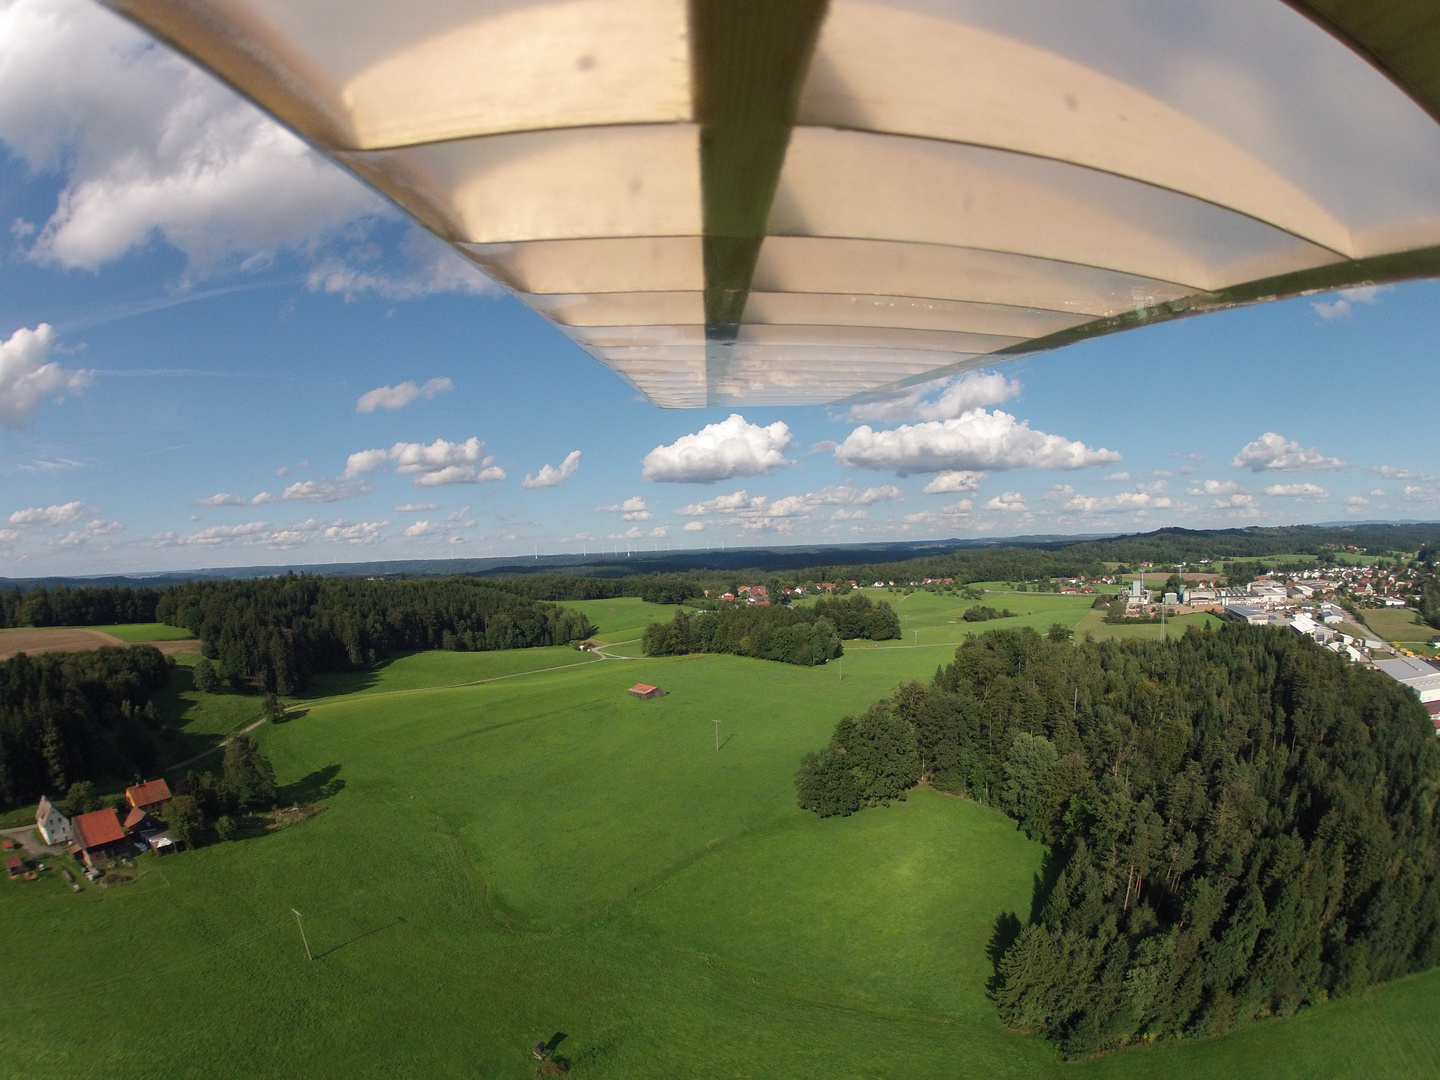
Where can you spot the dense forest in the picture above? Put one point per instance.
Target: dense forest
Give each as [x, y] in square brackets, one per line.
[275, 632]
[1240, 823]
[78, 606]
[68, 717]
[804, 636]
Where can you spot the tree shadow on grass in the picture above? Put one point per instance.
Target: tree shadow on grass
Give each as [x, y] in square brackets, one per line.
[327, 684]
[1045, 882]
[1007, 929]
[320, 784]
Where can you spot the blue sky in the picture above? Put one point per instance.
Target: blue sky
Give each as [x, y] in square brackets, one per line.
[193, 310]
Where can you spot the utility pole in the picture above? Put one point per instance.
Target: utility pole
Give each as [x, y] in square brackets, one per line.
[302, 935]
[717, 736]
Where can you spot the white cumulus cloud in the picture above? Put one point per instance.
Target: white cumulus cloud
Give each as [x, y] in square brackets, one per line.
[27, 374]
[437, 464]
[50, 516]
[978, 440]
[1216, 487]
[1343, 306]
[730, 448]
[954, 480]
[395, 398]
[1272, 451]
[943, 399]
[278, 537]
[148, 144]
[632, 509]
[1298, 491]
[550, 476]
[694, 526]
[1011, 502]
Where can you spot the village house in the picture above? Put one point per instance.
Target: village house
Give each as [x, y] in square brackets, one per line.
[645, 691]
[148, 796]
[98, 836]
[53, 825]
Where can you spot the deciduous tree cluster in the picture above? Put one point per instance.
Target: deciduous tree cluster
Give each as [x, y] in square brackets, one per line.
[1240, 822]
[800, 635]
[765, 633]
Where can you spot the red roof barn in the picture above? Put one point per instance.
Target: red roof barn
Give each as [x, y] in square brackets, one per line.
[645, 690]
[96, 831]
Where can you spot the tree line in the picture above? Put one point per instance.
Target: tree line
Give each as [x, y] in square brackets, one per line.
[274, 633]
[791, 635]
[1240, 823]
[69, 717]
[86, 605]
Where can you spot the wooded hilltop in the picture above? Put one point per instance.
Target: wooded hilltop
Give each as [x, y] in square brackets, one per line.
[1240, 823]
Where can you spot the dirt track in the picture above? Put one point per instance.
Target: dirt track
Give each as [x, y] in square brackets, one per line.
[56, 638]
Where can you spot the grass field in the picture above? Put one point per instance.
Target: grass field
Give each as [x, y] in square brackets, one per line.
[141, 632]
[513, 848]
[1398, 624]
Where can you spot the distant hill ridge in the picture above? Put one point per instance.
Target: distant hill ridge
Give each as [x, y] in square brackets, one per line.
[1169, 544]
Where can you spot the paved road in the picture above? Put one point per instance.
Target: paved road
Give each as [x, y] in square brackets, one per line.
[29, 839]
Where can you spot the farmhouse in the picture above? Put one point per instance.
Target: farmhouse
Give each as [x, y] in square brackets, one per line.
[98, 835]
[645, 690]
[53, 825]
[148, 796]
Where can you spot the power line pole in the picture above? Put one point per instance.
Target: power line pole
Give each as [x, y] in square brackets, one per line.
[717, 736]
[302, 935]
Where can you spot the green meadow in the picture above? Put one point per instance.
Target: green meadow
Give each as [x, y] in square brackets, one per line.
[141, 632]
[1398, 624]
[512, 848]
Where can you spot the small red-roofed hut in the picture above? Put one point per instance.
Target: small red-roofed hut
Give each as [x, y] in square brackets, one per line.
[646, 691]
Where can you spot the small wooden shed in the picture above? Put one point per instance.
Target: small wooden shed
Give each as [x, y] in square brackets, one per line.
[646, 691]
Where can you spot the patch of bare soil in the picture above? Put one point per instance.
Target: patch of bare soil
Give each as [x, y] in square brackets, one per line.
[168, 647]
[52, 639]
[289, 815]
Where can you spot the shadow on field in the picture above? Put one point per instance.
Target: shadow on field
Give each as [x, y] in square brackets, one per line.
[336, 683]
[320, 784]
[360, 937]
[1045, 883]
[1007, 929]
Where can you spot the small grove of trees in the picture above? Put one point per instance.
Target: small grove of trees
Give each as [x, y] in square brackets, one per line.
[981, 613]
[273, 633]
[792, 635]
[785, 634]
[1240, 822]
[857, 616]
[69, 717]
[205, 803]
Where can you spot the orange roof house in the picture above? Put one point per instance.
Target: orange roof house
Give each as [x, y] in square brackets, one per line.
[645, 690]
[144, 796]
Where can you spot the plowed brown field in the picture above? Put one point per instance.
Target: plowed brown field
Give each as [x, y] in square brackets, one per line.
[55, 638]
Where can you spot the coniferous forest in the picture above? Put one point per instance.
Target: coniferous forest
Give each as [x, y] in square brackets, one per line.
[276, 632]
[81, 605]
[75, 716]
[1239, 822]
[803, 636]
